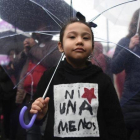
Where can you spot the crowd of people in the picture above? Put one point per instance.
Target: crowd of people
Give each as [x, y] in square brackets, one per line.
[86, 69]
[39, 54]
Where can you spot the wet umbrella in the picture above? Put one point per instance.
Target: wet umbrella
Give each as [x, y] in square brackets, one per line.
[126, 57]
[100, 62]
[42, 17]
[9, 43]
[49, 17]
[27, 15]
[118, 15]
[40, 20]
[46, 16]
[117, 12]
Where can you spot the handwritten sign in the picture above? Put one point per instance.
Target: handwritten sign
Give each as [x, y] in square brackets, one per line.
[76, 108]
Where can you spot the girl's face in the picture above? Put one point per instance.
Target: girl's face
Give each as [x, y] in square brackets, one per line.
[77, 43]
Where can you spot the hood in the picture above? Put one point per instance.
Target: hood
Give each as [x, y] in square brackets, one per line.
[66, 70]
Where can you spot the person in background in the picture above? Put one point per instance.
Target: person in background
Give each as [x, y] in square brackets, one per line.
[12, 53]
[124, 60]
[7, 95]
[100, 59]
[29, 60]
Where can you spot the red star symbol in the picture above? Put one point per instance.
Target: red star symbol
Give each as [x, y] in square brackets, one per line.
[89, 94]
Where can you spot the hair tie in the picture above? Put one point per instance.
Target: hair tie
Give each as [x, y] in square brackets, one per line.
[82, 18]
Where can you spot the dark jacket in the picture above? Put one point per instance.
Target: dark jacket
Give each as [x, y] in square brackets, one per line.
[123, 59]
[109, 124]
[6, 86]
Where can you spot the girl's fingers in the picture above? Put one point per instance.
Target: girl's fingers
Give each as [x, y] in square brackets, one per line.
[35, 109]
[39, 104]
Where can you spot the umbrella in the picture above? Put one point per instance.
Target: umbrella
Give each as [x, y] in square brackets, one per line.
[118, 11]
[43, 17]
[125, 56]
[28, 15]
[39, 20]
[105, 69]
[38, 17]
[13, 42]
[118, 14]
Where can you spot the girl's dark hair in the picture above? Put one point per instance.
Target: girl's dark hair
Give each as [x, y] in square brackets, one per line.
[133, 24]
[74, 20]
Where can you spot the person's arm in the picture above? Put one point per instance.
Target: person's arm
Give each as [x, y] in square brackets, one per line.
[49, 52]
[121, 56]
[124, 51]
[114, 120]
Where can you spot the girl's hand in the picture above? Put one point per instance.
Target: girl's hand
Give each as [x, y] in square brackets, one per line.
[40, 106]
[134, 41]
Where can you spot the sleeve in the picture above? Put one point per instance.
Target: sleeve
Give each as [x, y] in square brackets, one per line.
[112, 113]
[120, 57]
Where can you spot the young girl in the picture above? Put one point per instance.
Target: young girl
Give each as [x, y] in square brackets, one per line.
[81, 101]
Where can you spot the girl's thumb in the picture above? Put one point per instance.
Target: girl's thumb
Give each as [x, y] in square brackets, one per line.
[47, 100]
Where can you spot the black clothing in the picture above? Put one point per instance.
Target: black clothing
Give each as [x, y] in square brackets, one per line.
[7, 99]
[109, 116]
[6, 86]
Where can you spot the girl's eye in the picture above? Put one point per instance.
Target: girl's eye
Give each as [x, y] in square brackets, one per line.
[72, 37]
[86, 38]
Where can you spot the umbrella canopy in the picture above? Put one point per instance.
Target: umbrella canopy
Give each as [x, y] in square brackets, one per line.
[28, 16]
[118, 27]
[125, 55]
[37, 16]
[118, 11]
[9, 43]
[118, 16]
[44, 18]
[39, 20]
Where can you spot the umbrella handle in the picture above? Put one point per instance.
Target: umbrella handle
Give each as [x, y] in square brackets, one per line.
[21, 119]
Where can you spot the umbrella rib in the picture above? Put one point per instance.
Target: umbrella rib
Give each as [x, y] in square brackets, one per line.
[109, 9]
[35, 66]
[119, 46]
[41, 32]
[54, 19]
[48, 12]
[44, 95]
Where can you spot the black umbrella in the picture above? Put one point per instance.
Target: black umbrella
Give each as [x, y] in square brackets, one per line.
[29, 15]
[10, 43]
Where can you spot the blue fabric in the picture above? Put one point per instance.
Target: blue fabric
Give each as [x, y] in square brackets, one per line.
[123, 59]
